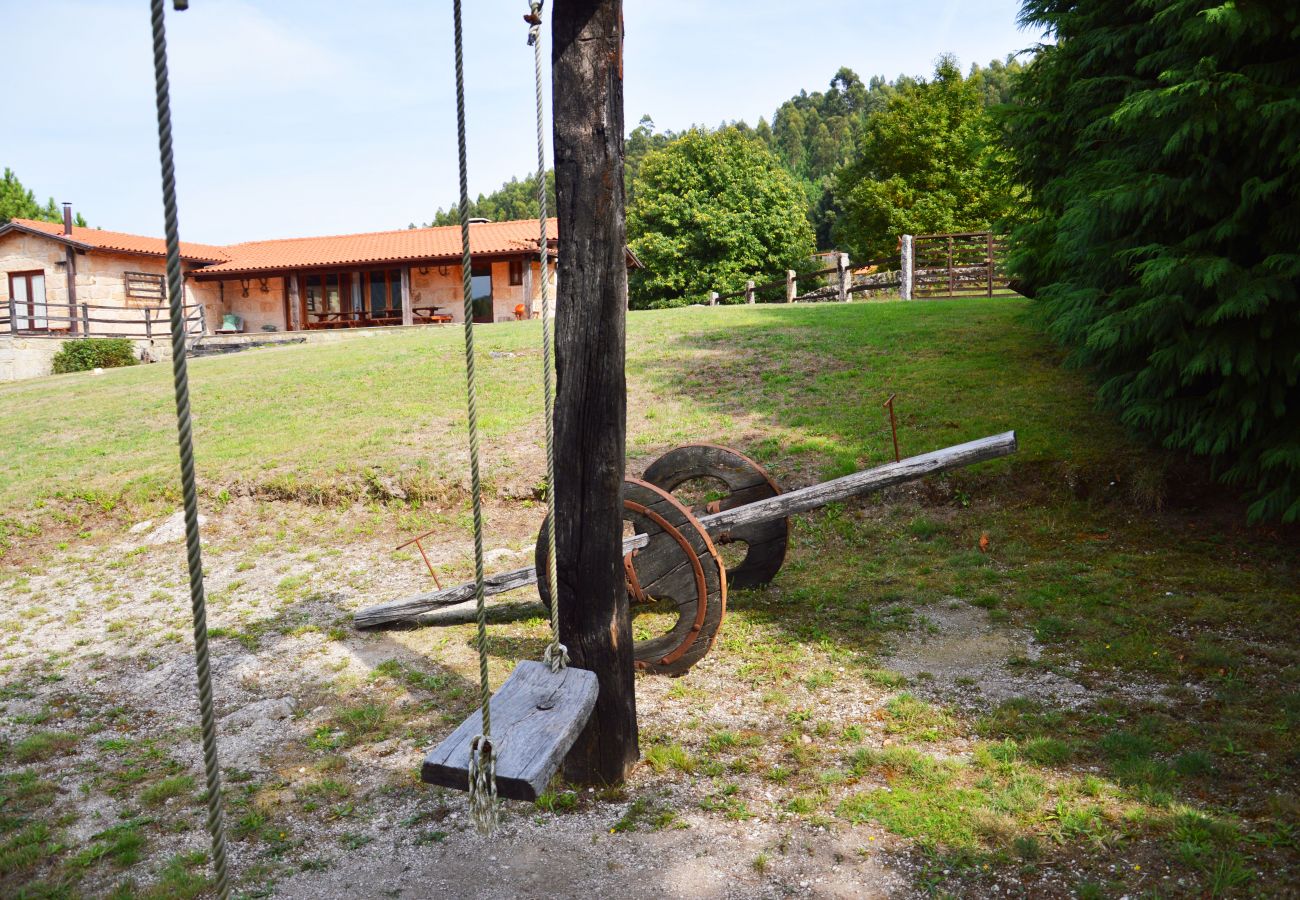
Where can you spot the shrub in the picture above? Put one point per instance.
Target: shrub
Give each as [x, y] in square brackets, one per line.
[94, 353]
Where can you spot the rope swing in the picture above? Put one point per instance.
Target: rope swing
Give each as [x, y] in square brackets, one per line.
[482, 757]
[184, 430]
[557, 655]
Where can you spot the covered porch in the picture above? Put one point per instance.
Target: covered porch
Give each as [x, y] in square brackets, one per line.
[421, 292]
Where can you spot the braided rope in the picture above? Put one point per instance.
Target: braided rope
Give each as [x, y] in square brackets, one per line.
[557, 655]
[482, 781]
[180, 373]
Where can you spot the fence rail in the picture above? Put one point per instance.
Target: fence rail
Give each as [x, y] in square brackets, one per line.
[45, 320]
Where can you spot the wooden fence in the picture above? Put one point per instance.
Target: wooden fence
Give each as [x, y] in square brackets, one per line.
[837, 284]
[44, 320]
[958, 265]
[930, 265]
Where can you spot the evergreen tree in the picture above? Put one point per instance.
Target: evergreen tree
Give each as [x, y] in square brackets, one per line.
[1160, 144]
[17, 202]
[516, 199]
[712, 210]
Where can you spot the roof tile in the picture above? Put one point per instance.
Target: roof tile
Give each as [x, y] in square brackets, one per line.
[442, 242]
[409, 244]
[125, 243]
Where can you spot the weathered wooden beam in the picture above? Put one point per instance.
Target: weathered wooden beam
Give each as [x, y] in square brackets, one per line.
[855, 485]
[865, 482]
[591, 386]
[408, 318]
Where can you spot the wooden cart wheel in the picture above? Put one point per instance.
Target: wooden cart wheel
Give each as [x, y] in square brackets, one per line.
[746, 482]
[679, 568]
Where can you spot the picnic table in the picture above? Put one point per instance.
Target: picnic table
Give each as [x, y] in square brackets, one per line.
[363, 318]
[430, 314]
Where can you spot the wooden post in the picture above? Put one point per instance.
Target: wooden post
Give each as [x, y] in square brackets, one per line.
[85, 320]
[13, 315]
[591, 390]
[791, 288]
[528, 288]
[905, 269]
[749, 292]
[952, 286]
[713, 298]
[990, 262]
[842, 263]
[294, 304]
[70, 256]
[407, 317]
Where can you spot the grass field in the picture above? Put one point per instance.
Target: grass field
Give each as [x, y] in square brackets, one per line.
[809, 381]
[1134, 577]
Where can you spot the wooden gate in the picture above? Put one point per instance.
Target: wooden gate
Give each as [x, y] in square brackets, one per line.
[957, 265]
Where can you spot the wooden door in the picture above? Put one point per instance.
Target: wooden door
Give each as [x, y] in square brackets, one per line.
[30, 310]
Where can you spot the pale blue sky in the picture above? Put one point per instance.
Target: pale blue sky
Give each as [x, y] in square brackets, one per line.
[303, 117]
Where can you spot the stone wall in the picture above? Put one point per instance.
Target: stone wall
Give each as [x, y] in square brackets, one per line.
[33, 357]
[259, 309]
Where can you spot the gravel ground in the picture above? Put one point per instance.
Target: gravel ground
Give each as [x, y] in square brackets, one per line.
[114, 626]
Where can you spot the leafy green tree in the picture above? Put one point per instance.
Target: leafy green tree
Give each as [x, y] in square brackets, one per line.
[713, 209]
[17, 202]
[516, 199]
[1161, 146]
[643, 139]
[930, 161]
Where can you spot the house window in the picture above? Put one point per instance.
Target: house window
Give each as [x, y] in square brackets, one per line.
[516, 271]
[27, 290]
[145, 288]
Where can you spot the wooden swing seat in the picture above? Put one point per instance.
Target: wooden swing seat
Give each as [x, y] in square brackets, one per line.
[537, 715]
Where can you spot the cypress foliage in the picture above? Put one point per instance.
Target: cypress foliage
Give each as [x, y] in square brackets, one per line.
[1161, 142]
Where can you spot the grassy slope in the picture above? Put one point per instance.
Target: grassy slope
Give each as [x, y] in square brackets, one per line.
[810, 380]
[1203, 788]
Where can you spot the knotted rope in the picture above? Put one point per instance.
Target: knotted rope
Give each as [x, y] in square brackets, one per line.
[557, 655]
[482, 757]
[184, 428]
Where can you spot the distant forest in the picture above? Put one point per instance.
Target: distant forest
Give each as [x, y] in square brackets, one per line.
[814, 135]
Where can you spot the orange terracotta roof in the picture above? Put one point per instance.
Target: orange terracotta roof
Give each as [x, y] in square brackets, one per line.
[94, 239]
[377, 247]
[406, 245]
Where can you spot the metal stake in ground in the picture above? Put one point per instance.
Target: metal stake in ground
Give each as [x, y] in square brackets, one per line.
[893, 425]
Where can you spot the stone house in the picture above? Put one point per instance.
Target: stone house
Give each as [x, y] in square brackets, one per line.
[58, 280]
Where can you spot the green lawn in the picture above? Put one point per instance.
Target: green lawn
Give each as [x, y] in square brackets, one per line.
[1128, 567]
[801, 384]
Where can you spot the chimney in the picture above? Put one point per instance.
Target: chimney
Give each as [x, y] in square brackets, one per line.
[67, 218]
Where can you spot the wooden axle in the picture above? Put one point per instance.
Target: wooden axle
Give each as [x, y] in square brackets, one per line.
[410, 609]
